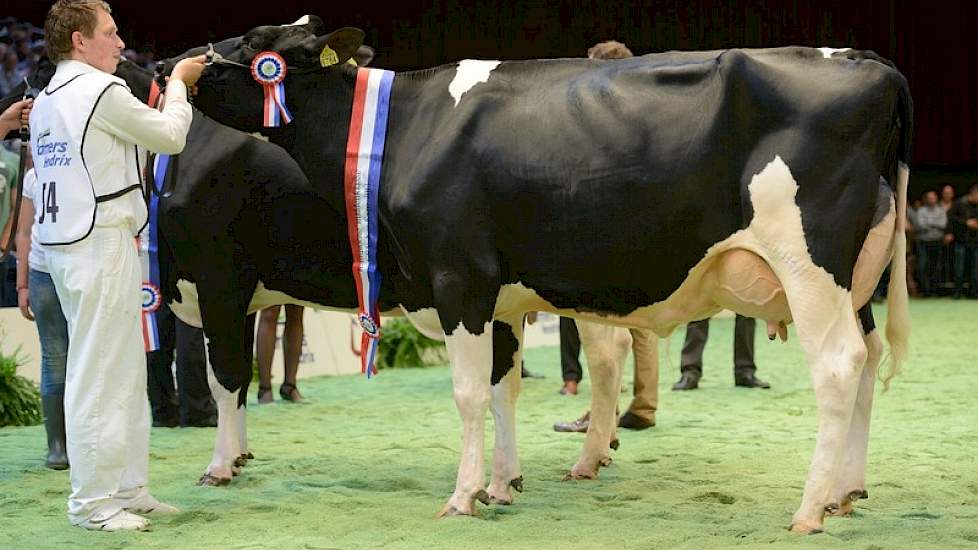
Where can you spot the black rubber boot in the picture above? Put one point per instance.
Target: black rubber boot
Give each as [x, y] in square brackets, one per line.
[54, 425]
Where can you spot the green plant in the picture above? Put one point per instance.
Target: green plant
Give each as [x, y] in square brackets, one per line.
[20, 400]
[401, 345]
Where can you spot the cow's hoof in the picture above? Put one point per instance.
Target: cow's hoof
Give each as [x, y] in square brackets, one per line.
[614, 444]
[841, 510]
[208, 480]
[241, 461]
[248, 455]
[449, 510]
[235, 470]
[804, 528]
[517, 484]
[576, 473]
[483, 497]
[606, 461]
[858, 494]
[504, 494]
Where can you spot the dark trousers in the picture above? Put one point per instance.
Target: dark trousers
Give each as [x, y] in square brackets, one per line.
[697, 333]
[8, 280]
[570, 351]
[928, 262]
[193, 403]
[965, 267]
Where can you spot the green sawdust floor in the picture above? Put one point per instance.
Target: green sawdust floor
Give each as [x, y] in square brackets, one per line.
[369, 463]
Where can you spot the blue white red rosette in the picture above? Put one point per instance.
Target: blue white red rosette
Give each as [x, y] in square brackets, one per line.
[268, 69]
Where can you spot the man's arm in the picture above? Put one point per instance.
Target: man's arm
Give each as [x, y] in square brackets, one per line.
[121, 114]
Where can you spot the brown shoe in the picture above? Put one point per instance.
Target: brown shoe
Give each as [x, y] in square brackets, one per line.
[632, 421]
[580, 425]
[569, 388]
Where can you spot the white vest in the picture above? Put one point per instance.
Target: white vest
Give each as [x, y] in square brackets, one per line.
[60, 118]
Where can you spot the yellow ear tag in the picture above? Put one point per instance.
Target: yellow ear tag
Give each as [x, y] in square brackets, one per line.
[328, 57]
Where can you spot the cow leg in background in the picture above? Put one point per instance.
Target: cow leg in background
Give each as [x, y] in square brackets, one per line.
[471, 358]
[249, 347]
[507, 344]
[606, 348]
[851, 484]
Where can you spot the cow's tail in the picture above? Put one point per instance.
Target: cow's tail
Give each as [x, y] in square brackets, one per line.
[898, 301]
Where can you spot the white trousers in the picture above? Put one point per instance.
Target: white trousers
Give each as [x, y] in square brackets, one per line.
[107, 416]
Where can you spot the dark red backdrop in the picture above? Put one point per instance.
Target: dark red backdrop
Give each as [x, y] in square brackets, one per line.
[929, 41]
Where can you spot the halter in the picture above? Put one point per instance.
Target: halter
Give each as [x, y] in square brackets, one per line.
[212, 57]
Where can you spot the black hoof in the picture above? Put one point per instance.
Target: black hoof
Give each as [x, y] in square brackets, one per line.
[483, 497]
[249, 455]
[863, 494]
[517, 484]
[614, 444]
[241, 461]
[208, 480]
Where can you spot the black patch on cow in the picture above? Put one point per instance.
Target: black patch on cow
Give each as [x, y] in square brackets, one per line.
[882, 202]
[866, 319]
[504, 347]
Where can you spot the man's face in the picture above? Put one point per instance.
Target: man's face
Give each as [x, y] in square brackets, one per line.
[103, 49]
[930, 198]
[947, 193]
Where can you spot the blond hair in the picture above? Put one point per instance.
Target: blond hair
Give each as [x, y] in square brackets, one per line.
[609, 50]
[64, 18]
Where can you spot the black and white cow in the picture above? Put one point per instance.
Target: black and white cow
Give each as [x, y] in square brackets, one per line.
[643, 192]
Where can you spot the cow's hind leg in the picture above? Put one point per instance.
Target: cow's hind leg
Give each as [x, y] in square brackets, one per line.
[507, 344]
[836, 356]
[606, 348]
[852, 481]
[471, 357]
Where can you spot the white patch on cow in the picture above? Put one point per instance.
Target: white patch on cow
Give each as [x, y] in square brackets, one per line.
[469, 73]
[304, 20]
[188, 309]
[827, 52]
[259, 135]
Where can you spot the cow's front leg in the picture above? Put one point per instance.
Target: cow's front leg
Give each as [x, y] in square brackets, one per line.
[471, 358]
[605, 348]
[851, 484]
[836, 360]
[227, 449]
[507, 344]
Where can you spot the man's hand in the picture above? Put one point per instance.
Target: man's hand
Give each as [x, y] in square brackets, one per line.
[24, 302]
[188, 70]
[972, 223]
[17, 115]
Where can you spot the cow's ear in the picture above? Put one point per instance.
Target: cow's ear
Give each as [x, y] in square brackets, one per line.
[363, 56]
[344, 42]
[311, 23]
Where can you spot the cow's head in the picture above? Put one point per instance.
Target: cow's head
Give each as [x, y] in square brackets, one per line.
[227, 90]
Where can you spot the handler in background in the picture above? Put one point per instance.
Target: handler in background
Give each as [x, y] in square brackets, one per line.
[85, 129]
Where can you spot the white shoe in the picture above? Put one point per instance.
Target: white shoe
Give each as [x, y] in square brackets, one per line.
[147, 504]
[120, 521]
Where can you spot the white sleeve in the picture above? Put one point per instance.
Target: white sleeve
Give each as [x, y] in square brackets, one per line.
[30, 185]
[119, 113]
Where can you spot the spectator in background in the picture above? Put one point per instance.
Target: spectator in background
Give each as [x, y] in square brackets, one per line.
[291, 352]
[963, 218]
[947, 197]
[11, 74]
[929, 222]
